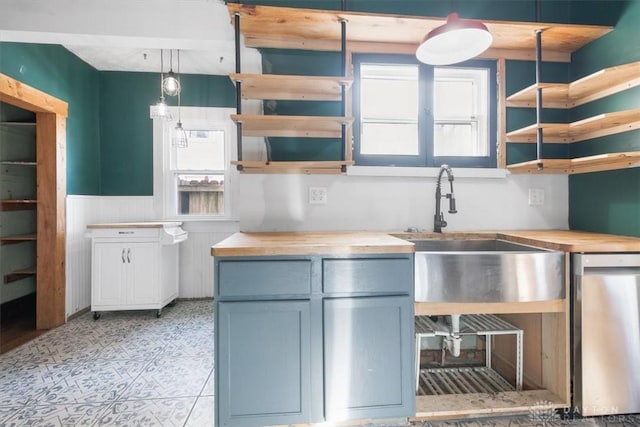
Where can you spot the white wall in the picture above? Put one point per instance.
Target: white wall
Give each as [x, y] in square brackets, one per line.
[279, 203]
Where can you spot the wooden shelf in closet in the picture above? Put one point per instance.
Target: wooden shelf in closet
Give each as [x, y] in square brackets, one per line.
[292, 126]
[597, 163]
[8, 240]
[288, 87]
[18, 162]
[17, 205]
[568, 95]
[19, 274]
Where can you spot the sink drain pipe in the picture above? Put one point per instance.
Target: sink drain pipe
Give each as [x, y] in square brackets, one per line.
[452, 341]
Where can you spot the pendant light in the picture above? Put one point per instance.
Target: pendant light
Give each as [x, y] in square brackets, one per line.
[161, 109]
[180, 134]
[171, 83]
[455, 41]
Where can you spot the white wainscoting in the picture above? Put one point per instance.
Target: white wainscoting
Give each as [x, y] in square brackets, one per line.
[196, 264]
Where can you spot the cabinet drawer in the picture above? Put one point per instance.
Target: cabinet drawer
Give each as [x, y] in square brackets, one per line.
[368, 275]
[264, 278]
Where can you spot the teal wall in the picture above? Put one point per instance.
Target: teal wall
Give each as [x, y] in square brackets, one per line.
[109, 132]
[608, 202]
[56, 71]
[126, 134]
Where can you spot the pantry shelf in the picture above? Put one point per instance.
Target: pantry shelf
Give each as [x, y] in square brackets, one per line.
[8, 240]
[17, 205]
[19, 274]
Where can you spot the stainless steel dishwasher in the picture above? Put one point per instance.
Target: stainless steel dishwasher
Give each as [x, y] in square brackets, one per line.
[606, 333]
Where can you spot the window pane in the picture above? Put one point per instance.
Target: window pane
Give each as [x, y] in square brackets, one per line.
[200, 194]
[458, 140]
[454, 98]
[204, 151]
[389, 138]
[389, 91]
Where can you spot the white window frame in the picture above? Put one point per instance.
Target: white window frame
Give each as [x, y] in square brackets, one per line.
[479, 118]
[165, 182]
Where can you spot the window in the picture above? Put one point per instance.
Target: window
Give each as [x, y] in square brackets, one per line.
[194, 182]
[198, 172]
[412, 114]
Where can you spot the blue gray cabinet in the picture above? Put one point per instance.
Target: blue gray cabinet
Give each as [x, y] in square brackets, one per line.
[264, 362]
[305, 339]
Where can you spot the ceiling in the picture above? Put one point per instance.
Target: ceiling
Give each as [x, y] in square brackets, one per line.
[123, 35]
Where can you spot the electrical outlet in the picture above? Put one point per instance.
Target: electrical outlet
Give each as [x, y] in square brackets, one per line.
[318, 195]
[536, 197]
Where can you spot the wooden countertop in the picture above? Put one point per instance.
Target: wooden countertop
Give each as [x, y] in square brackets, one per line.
[157, 224]
[346, 242]
[560, 240]
[312, 243]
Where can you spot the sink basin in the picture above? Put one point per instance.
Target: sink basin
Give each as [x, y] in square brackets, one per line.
[486, 271]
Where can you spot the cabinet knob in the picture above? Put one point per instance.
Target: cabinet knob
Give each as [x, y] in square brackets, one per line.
[129, 255]
[122, 255]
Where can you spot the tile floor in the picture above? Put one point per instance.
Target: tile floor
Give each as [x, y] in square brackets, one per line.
[131, 369]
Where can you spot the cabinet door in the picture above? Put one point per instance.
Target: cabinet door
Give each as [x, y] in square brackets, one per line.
[263, 363]
[108, 274]
[142, 281]
[367, 357]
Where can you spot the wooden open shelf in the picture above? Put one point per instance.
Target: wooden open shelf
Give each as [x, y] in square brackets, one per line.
[592, 127]
[299, 167]
[18, 162]
[296, 28]
[8, 240]
[597, 163]
[568, 95]
[292, 126]
[19, 274]
[17, 205]
[296, 88]
[471, 405]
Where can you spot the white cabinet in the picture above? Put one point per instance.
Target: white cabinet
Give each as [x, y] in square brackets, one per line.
[134, 265]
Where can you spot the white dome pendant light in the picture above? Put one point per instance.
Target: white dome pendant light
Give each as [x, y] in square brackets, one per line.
[455, 41]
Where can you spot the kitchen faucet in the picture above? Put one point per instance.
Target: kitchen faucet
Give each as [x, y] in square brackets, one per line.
[438, 218]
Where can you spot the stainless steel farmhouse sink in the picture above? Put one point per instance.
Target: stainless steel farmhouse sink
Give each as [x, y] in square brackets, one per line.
[486, 270]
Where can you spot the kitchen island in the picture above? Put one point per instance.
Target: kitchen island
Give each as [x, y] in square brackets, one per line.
[304, 334]
[313, 327]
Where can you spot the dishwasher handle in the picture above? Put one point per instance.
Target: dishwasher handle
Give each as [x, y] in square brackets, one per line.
[582, 262]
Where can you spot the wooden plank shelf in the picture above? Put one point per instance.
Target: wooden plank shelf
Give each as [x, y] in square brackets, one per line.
[17, 205]
[597, 163]
[296, 88]
[592, 127]
[18, 162]
[312, 29]
[19, 124]
[299, 167]
[568, 95]
[19, 274]
[8, 240]
[292, 126]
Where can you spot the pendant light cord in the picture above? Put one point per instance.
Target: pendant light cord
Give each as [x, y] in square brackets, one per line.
[178, 84]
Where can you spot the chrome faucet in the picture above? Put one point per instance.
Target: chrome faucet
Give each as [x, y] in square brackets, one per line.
[438, 219]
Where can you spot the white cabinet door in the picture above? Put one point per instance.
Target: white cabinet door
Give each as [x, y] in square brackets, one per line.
[108, 281]
[142, 273]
